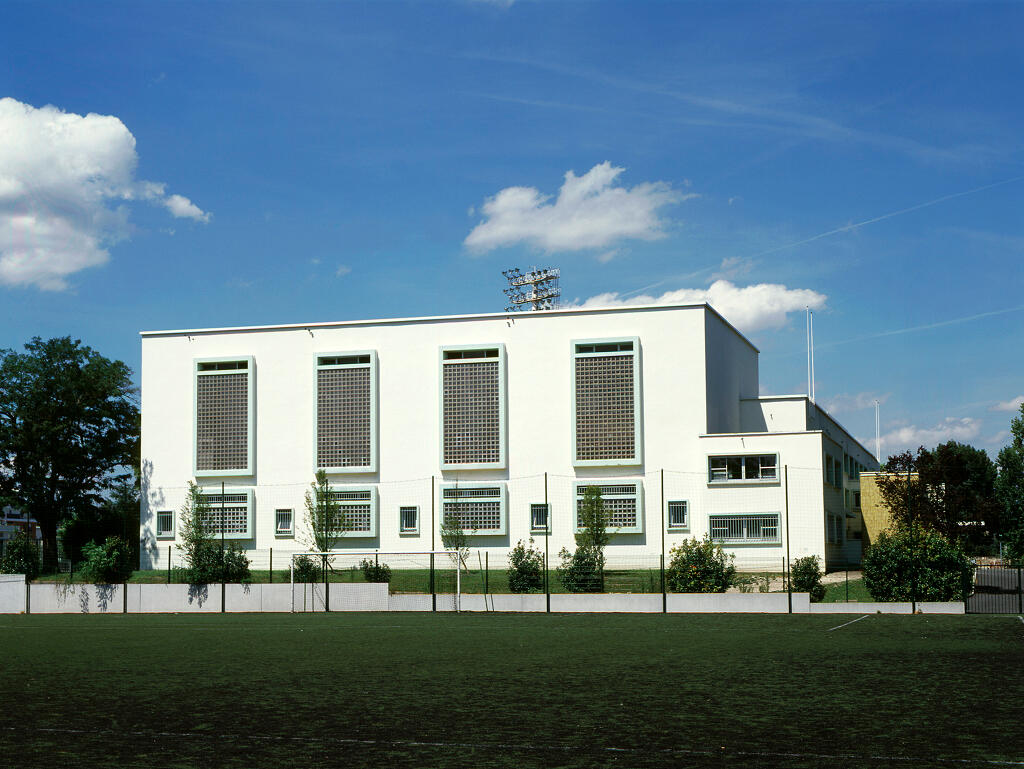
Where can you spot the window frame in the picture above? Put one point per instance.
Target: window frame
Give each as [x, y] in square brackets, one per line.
[373, 366]
[374, 501]
[546, 528]
[278, 531]
[168, 534]
[402, 531]
[250, 468]
[502, 497]
[638, 442]
[638, 495]
[759, 481]
[248, 491]
[685, 525]
[501, 357]
[747, 541]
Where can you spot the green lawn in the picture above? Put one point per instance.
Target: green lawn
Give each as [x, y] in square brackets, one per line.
[492, 690]
[837, 591]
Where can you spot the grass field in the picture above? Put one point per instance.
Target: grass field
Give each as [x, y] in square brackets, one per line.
[445, 690]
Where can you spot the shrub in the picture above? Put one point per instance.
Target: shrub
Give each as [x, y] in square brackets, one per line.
[107, 564]
[306, 569]
[699, 566]
[582, 571]
[805, 577]
[21, 556]
[902, 566]
[525, 568]
[375, 572]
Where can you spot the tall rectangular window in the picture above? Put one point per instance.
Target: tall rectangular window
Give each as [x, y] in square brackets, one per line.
[678, 515]
[284, 523]
[357, 511]
[224, 416]
[538, 517]
[409, 520]
[165, 524]
[606, 395]
[346, 412]
[473, 407]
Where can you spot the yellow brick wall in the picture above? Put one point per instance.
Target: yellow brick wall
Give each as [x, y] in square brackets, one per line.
[873, 510]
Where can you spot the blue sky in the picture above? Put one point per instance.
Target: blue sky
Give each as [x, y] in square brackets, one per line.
[184, 165]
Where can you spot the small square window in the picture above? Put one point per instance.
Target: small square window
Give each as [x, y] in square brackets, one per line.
[539, 517]
[284, 523]
[409, 520]
[678, 517]
[165, 524]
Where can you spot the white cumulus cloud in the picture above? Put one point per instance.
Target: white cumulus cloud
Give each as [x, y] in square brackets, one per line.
[64, 183]
[837, 404]
[1013, 404]
[749, 308]
[960, 429]
[590, 212]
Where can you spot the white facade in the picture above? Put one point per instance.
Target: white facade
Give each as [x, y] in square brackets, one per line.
[676, 435]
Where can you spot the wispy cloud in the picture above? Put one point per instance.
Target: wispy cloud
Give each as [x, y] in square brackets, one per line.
[1013, 404]
[749, 308]
[590, 212]
[961, 429]
[342, 271]
[837, 404]
[64, 182]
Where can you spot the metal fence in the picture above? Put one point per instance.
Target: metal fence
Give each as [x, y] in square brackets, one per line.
[997, 590]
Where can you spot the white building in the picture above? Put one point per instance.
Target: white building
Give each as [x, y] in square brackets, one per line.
[486, 417]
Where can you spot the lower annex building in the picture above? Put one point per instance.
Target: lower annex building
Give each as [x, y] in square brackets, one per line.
[501, 420]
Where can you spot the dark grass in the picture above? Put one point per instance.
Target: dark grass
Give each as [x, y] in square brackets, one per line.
[445, 690]
[838, 591]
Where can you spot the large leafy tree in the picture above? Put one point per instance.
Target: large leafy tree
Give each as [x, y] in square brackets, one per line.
[69, 431]
[952, 491]
[1010, 489]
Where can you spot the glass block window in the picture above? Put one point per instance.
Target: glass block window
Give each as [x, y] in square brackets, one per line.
[623, 502]
[606, 418]
[223, 417]
[345, 411]
[678, 515]
[745, 529]
[283, 523]
[165, 524]
[539, 517]
[356, 513]
[472, 407]
[756, 467]
[231, 511]
[409, 520]
[478, 509]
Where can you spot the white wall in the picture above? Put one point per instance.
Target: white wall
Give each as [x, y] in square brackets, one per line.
[675, 411]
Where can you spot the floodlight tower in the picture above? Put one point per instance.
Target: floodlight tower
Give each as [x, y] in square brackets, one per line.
[535, 289]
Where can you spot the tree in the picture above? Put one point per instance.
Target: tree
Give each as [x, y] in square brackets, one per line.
[951, 490]
[205, 558]
[1009, 489]
[699, 566]
[117, 515]
[325, 520]
[582, 571]
[525, 568]
[455, 540]
[919, 564]
[69, 430]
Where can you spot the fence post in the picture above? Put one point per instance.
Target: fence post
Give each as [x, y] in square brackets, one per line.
[788, 576]
[487, 574]
[168, 564]
[271, 565]
[433, 595]
[847, 581]
[433, 546]
[664, 595]
[1020, 594]
[547, 532]
[785, 561]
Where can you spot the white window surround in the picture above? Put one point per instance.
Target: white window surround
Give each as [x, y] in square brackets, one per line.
[624, 497]
[483, 501]
[284, 523]
[603, 348]
[408, 520]
[540, 518]
[745, 528]
[360, 510]
[468, 355]
[220, 366]
[348, 360]
[237, 511]
[677, 515]
[165, 524]
[749, 467]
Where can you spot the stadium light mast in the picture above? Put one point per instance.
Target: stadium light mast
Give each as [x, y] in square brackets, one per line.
[535, 289]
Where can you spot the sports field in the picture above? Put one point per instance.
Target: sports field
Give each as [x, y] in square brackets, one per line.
[492, 690]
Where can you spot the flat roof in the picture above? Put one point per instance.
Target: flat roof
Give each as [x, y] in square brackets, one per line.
[442, 318]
